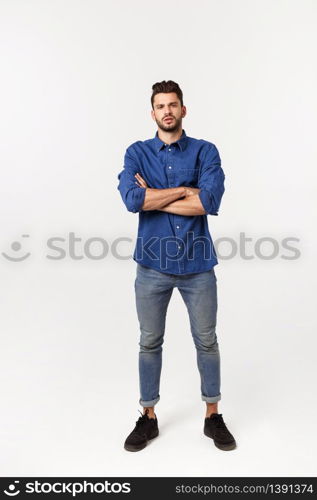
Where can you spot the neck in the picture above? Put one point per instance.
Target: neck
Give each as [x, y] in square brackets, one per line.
[169, 137]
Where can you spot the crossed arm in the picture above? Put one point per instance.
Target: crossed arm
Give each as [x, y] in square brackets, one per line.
[180, 200]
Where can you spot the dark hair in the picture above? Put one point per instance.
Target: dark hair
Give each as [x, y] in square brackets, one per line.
[166, 87]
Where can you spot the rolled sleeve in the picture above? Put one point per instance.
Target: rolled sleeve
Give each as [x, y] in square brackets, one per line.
[211, 181]
[131, 194]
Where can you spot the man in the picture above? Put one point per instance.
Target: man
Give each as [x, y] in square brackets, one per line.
[174, 181]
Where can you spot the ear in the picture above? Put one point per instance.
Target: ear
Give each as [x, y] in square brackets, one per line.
[152, 114]
[184, 111]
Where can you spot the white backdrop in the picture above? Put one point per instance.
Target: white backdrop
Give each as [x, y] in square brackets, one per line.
[75, 92]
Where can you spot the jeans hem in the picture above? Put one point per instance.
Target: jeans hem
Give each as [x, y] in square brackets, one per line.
[149, 403]
[211, 399]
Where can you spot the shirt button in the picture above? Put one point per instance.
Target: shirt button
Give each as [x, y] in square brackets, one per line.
[169, 149]
[169, 166]
[178, 247]
[177, 227]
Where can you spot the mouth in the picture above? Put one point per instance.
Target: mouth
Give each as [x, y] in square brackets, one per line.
[169, 119]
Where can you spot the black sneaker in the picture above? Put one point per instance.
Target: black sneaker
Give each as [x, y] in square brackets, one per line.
[216, 429]
[146, 428]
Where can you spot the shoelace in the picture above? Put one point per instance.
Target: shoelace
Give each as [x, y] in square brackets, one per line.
[141, 419]
[218, 421]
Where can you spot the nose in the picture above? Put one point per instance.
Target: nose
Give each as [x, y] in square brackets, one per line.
[167, 111]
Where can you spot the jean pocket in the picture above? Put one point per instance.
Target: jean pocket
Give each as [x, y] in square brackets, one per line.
[214, 274]
[144, 270]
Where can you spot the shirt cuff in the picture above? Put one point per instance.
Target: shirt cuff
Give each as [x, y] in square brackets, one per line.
[139, 195]
[206, 201]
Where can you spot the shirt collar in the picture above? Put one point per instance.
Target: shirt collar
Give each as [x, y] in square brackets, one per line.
[182, 141]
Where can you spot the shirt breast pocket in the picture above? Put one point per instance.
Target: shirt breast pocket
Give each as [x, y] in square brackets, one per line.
[188, 177]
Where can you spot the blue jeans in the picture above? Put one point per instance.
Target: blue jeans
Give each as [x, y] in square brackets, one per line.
[153, 291]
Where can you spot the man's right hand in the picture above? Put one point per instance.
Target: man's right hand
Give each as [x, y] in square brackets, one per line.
[191, 190]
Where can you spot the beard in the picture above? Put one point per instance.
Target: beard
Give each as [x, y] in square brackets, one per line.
[172, 127]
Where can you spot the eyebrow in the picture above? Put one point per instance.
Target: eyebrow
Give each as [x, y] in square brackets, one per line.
[174, 102]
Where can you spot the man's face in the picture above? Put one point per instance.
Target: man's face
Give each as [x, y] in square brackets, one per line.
[168, 112]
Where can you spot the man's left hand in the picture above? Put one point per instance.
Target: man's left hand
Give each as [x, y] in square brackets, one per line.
[140, 181]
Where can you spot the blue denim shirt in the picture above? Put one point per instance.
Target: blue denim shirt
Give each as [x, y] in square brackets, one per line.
[170, 243]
